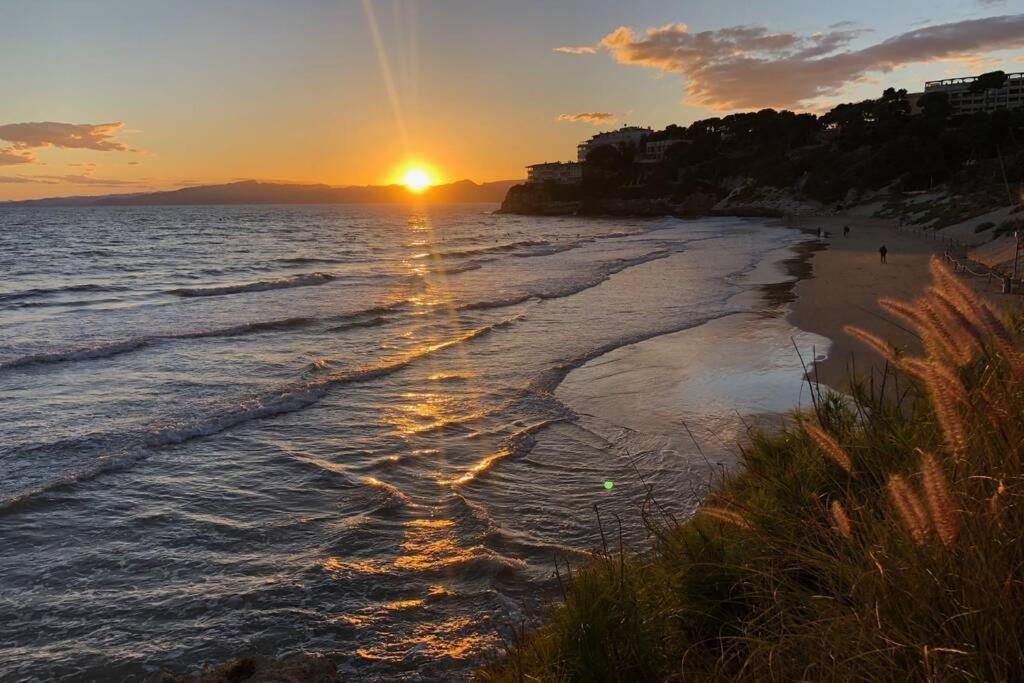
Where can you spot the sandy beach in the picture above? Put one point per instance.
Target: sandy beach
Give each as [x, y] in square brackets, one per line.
[846, 281]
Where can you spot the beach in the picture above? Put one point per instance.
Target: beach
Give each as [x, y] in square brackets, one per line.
[385, 416]
[744, 370]
[846, 281]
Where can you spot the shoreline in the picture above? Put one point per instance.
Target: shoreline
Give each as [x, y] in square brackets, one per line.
[706, 384]
[843, 283]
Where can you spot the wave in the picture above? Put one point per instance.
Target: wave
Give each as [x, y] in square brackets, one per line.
[83, 353]
[547, 250]
[289, 398]
[568, 289]
[393, 496]
[454, 270]
[548, 381]
[389, 461]
[245, 328]
[369, 322]
[515, 445]
[251, 409]
[50, 291]
[95, 351]
[303, 280]
[310, 260]
[498, 248]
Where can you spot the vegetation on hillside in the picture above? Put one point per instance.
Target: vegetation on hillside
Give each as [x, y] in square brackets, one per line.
[854, 148]
[875, 539]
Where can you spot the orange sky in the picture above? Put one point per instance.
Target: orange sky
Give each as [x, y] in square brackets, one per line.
[351, 91]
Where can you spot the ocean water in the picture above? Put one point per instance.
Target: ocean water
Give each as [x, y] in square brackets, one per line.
[336, 429]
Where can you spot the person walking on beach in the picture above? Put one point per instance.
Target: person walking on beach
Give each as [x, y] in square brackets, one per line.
[882, 251]
[846, 231]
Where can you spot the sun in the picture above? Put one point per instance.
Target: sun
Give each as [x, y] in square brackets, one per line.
[417, 179]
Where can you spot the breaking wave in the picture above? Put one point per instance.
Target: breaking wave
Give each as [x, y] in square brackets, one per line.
[304, 280]
[50, 291]
[368, 317]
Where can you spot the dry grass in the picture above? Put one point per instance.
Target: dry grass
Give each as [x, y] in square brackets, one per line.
[878, 539]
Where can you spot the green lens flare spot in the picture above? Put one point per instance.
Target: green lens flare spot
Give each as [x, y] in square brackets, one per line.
[608, 485]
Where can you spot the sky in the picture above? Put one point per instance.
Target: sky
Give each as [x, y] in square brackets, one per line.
[136, 95]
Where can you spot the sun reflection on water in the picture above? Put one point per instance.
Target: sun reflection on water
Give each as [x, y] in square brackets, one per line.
[427, 544]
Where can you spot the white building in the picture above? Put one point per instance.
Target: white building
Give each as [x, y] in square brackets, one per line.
[563, 173]
[963, 101]
[627, 136]
[655, 151]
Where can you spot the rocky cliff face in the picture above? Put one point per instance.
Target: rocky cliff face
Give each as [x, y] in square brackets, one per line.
[537, 200]
[736, 200]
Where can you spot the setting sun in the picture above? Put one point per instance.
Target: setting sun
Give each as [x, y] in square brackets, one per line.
[417, 179]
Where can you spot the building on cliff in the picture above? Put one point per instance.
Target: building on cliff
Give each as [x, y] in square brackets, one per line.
[655, 151]
[560, 172]
[627, 136]
[985, 93]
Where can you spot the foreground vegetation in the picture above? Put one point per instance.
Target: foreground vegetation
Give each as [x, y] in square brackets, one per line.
[875, 539]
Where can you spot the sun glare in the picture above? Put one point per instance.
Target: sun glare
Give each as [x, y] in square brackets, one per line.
[417, 179]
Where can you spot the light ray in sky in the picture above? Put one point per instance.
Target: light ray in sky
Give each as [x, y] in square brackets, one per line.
[385, 72]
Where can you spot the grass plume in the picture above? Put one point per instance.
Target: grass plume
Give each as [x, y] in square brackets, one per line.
[830, 447]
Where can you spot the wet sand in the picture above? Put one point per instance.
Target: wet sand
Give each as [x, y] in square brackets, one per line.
[709, 383]
[844, 286]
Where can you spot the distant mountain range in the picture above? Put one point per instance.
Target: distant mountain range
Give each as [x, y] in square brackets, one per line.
[257, 192]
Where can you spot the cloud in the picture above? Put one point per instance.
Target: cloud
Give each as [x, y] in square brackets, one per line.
[991, 3]
[10, 156]
[84, 179]
[98, 137]
[25, 179]
[750, 67]
[577, 50]
[592, 117]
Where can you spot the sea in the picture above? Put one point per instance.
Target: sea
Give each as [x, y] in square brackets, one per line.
[345, 430]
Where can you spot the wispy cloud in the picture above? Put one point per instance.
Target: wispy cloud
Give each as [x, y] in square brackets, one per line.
[595, 118]
[69, 179]
[577, 50]
[25, 179]
[9, 156]
[85, 179]
[750, 67]
[98, 137]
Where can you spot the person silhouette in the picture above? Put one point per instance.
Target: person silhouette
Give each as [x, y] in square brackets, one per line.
[882, 251]
[846, 231]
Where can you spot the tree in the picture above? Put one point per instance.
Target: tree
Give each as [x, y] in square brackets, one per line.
[988, 81]
[935, 105]
[608, 158]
